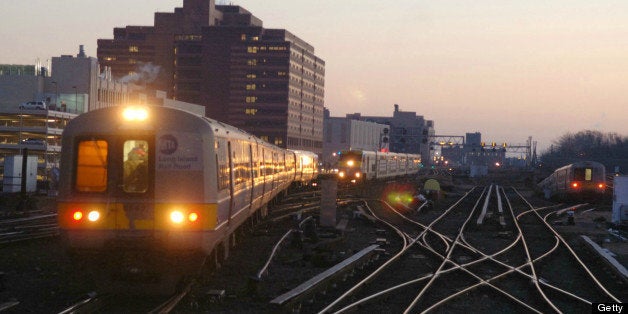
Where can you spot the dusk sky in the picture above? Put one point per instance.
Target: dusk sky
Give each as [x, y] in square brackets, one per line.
[507, 69]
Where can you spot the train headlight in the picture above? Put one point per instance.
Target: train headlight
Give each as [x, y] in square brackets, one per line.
[93, 216]
[357, 174]
[177, 217]
[341, 174]
[135, 114]
[350, 163]
[192, 217]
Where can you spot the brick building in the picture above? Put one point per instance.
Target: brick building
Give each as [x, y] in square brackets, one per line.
[266, 81]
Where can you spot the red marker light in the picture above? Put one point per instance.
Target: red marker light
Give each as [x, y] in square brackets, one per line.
[575, 184]
[78, 215]
[601, 185]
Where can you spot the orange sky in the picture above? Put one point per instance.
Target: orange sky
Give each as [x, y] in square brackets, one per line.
[508, 69]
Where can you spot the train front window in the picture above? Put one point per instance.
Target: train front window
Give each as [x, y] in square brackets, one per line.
[135, 161]
[91, 166]
[582, 174]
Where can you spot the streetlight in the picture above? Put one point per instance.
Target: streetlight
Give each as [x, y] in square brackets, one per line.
[75, 99]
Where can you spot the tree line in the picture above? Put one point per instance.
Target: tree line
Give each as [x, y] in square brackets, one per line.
[610, 149]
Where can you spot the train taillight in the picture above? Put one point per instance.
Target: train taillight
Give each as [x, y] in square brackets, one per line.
[601, 185]
[574, 185]
[77, 215]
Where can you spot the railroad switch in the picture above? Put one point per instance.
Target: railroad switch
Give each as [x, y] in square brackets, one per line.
[215, 295]
[381, 241]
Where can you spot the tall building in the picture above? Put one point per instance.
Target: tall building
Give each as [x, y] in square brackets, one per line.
[266, 81]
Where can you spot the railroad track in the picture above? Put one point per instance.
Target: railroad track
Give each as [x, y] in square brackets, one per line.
[508, 262]
[28, 228]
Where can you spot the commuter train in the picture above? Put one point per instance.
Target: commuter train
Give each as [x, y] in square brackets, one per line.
[579, 180]
[169, 180]
[360, 165]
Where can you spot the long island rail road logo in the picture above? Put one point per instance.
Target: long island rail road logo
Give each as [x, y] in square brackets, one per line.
[168, 144]
[179, 152]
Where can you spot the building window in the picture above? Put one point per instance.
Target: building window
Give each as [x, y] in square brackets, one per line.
[278, 141]
[252, 62]
[110, 58]
[251, 99]
[250, 111]
[132, 61]
[243, 37]
[251, 75]
[252, 49]
[134, 48]
[250, 86]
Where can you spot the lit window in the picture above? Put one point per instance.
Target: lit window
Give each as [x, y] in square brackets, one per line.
[134, 49]
[132, 61]
[252, 49]
[251, 75]
[250, 86]
[251, 62]
[110, 58]
[251, 99]
[255, 38]
[91, 166]
[243, 37]
[250, 111]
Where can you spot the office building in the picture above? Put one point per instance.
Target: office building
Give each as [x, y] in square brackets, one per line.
[266, 81]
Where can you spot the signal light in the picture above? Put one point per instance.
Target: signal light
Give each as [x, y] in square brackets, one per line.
[192, 217]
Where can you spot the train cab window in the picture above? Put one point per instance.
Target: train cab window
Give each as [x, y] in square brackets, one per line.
[583, 174]
[91, 166]
[135, 177]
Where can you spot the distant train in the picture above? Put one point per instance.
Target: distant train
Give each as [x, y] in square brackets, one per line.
[360, 165]
[167, 180]
[578, 180]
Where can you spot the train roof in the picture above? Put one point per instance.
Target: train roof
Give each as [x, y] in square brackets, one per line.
[582, 164]
[109, 120]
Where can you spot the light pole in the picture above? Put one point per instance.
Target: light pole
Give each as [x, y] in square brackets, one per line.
[75, 99]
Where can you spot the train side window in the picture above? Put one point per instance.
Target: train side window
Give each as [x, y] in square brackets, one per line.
[91, 166]
[135, 161]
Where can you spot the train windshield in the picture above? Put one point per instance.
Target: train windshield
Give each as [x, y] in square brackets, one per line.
[135, 161]
[91, 168]
[582, 174]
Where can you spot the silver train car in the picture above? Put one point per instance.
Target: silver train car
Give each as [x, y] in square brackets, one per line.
[360, 165]
[583, 179]
[163, 178]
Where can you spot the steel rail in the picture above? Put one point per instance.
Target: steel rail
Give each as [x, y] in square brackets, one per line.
[376, 272]
[535, 278]
[445, 261]
[573, 253]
